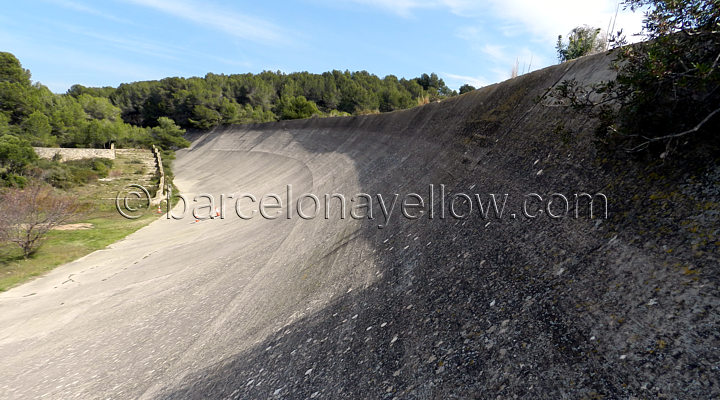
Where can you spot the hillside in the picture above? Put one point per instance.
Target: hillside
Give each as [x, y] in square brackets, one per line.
[425, 308]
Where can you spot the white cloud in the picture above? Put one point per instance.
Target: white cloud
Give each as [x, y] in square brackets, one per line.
[502, 73]
[459, 80]
[399, 7]
[76, 66]
[468, 33]
[547, 19]
[526, 59]
[543, 20]
[228, 21]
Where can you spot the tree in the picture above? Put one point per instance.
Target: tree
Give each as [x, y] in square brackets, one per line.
[168, 135]
[15, 155]
[200, 103]
[77, 90]
[228, 110]
[205, 118]
[4, 124]
[18, 100]
[434, 86]
[94, 133]
[37, 127]
[12, 71]
[27, 215]
[65, 114]
[98, 107]
[466, 88]
[290, 107]
[582, 41]
[666, 90]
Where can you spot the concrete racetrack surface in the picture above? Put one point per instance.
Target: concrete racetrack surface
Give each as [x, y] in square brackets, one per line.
[336, 308]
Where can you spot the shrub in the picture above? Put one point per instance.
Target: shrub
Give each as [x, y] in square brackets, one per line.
[72, 173]
[290, 107]
[15, 181]
[582, 41]
[15, 155]
[466, 88]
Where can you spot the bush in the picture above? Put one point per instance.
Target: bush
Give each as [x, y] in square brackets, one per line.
[466, 88]
[72, 173]
[15, 181]
[582, 41]
[296, 108]
[101, 169]
[58, 177]
[15, 155]
[85, 171]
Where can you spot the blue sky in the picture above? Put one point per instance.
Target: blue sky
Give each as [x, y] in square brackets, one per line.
[105, 43]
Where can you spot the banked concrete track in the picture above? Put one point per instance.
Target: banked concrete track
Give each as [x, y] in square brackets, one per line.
[339, 308]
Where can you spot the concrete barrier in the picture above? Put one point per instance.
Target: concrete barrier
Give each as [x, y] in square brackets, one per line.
[160, 193]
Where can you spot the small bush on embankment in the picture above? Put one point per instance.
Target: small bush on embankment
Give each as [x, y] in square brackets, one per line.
[65, 175]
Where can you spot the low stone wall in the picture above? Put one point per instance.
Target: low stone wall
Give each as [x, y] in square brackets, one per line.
[74, 154]
[160, 194]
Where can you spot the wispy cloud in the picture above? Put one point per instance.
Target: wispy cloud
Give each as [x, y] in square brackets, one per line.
[148, 48]
[544, 20]
[404, 8]
[105, 65]
[71, 65]
[496, 53]
[540, 20]
[228, 21]
[75, 6]
[500, 58]
[127, 43]
[458, 80]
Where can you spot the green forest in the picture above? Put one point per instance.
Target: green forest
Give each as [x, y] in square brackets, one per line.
[203, 103]
[155, 112]
[30, 113]
[142, 114]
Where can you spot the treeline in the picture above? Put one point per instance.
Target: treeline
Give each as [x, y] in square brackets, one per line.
[37, 116]
[203, 103]
[31, 115]
[142, 114]
[155, 112]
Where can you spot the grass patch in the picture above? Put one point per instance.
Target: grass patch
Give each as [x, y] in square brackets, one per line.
[61, 247]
